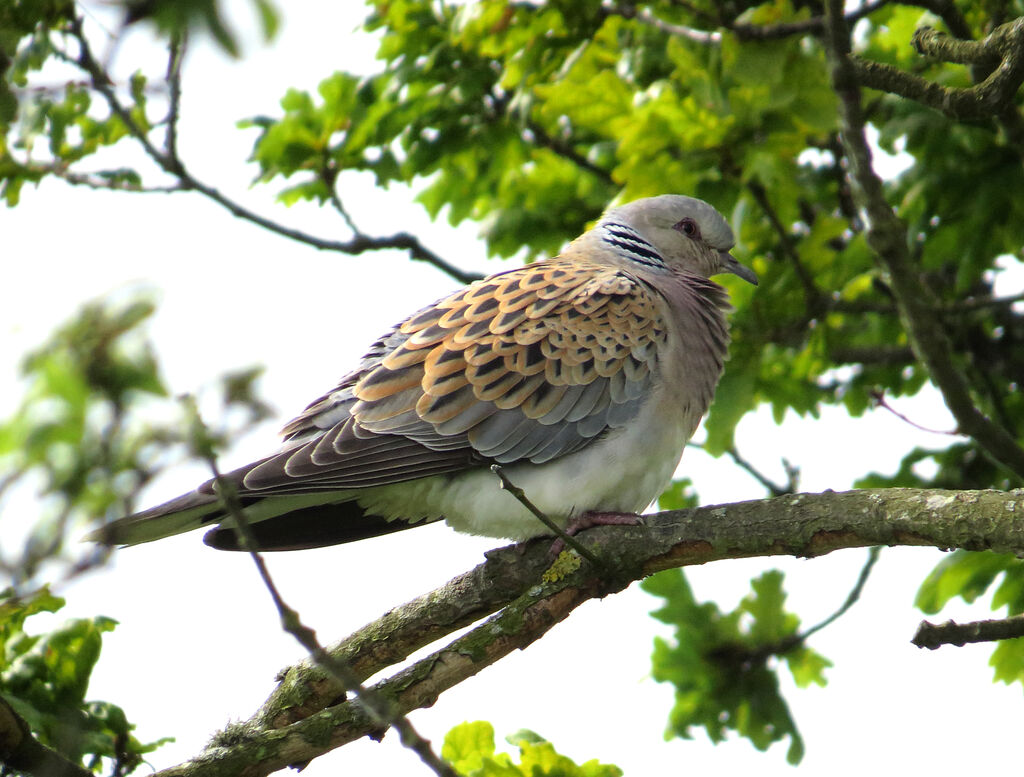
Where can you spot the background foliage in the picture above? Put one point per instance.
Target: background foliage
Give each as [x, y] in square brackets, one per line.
[530, 118]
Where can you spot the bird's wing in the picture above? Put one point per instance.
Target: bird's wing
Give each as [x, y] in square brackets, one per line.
[527, 365]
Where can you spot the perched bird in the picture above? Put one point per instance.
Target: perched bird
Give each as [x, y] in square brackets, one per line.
[583, 375]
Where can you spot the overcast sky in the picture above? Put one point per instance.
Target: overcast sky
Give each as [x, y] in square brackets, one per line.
[199, 642]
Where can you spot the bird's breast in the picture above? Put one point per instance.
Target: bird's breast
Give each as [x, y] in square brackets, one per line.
[622, 471]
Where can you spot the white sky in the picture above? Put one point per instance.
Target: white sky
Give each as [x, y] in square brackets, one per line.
[199, 642]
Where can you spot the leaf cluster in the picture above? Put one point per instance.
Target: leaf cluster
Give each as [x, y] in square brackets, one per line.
[44, 678]
[73, 439]
[724, 665]
[470, 749]
[91, 431]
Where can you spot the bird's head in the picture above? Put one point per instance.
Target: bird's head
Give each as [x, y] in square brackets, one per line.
[690, 235]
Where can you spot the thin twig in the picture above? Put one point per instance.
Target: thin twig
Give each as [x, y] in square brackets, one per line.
[736, 653]
[645, 16]
[520, 495]
[980, 303]
[773, 488]
[935, 635]
[792, 473]
[566, 151]
[173, 165]
[854, 595]
[814, 298]
[871, 354]
[703, 37]
[379, 708]
[342, 210]
[175, 56]
[99, 182]
[878, 397]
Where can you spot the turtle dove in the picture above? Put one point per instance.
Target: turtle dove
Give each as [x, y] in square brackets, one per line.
[583, 375]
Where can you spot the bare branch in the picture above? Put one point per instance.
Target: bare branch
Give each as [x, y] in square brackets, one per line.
[871, 354]
[773, 488]
[738, 653]
[342, 210]
[935, 635]
[102, 181]
[980, 303]
[887, 237]
[566, 151]
[878, 397]
[930, 42]
[851, 598]
[170, 163]
[813, 296]
[175, 56]
[703, 37]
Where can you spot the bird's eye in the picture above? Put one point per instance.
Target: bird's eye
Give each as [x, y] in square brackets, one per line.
[688, 227]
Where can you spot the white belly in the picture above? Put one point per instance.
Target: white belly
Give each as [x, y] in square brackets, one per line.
[624, 472]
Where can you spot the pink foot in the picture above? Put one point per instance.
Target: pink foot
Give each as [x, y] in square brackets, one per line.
[592, 519]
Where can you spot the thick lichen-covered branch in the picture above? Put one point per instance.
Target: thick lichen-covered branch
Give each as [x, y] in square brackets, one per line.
[1000, 55]
[305, 718]
[887, 237]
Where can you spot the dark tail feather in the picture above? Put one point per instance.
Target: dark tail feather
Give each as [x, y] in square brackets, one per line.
[309, 527]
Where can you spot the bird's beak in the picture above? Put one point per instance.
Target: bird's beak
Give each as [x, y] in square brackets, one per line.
[730, 264]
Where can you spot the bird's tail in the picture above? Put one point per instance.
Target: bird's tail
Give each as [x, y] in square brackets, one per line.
[185, 513]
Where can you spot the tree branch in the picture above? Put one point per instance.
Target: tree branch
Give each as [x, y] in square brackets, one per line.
[703, 37]
[851, 599]
[566, 151]
[951, 16]
[309, 720]
[930, 42]
[814, 299]
[871, 354]
[815, 25]
[935, 635]
[773, 488]
[175, 56]
[1002, 52]
[171, 163]
[887, 237]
